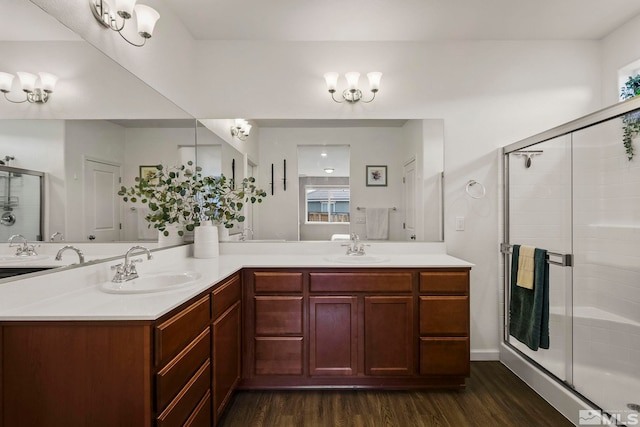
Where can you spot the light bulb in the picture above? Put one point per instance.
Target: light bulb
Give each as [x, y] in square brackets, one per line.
[147, 18]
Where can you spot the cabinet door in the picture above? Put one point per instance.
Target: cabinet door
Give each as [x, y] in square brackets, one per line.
[226, 357]
[444, 315]
[444, 356]
[388, 340]
[333, 335]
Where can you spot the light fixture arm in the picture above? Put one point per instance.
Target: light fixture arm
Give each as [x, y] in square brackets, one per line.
[108, 17]
[11, 100]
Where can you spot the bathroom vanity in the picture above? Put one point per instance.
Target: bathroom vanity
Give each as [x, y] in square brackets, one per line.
[73, 355]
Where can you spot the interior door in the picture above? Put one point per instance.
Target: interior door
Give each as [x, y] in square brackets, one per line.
[409, 194]
[101, 202]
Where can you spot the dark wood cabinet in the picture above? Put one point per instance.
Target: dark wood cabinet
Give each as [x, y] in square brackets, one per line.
[333, 333]
[444, 323]
[179, 370]
[227, 342]
[267, 328]
[388, 335]
[362, 327]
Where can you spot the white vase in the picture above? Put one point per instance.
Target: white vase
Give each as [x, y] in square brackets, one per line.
[205, 241]
[173, 238]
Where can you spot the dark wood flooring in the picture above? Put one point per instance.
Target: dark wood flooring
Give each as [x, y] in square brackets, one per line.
[494, 397]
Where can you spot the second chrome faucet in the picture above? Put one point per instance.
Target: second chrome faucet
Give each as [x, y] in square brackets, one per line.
[127, 270]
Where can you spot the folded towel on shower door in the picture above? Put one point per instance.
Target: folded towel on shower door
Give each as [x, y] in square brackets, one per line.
[525, 267]
[529, 308]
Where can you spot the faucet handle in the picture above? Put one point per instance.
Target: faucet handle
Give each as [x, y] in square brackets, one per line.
[117, 267]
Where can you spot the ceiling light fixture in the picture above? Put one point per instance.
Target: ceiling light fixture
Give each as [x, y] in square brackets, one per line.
[329, 170]
[352, 94]
[38, 88]
[241, 129]
[116, 16]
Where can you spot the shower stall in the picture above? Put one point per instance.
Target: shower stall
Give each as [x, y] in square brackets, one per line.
[573, 191]
[21, 203]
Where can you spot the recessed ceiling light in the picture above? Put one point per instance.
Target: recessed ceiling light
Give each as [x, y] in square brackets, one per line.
[323, 154]
[329, 170]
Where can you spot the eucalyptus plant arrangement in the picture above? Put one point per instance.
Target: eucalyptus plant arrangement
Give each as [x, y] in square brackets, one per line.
[181, 195]
[172, 196]
[223, 200]
[631, 121]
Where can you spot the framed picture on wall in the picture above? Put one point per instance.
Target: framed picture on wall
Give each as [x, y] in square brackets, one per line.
[376, 176]
[149, 173]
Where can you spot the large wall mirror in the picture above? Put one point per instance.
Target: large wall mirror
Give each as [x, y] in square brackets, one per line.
[408, 154]
[99, 127]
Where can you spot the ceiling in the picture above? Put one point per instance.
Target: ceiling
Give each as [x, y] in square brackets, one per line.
[402, 20]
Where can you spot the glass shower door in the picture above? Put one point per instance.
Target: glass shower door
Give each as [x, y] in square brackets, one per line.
[539, 214]
[21, 206]
[607, 271]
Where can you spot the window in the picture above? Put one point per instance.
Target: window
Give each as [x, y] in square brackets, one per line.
[326, 204]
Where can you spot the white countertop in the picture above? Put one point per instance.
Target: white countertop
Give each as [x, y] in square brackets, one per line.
[74, 294]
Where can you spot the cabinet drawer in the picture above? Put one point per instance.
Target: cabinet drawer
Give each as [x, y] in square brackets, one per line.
[225, 296]
[186, 402]
[201, 416]
[172, 378]
[278, 356]
[444, 356]
[444, 282]
[278, 315]
[360, 282]
[444, 315]
[173, 334]
[266, 282]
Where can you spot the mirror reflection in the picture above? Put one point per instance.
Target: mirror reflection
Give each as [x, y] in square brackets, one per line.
[323, 178]
[408, 154]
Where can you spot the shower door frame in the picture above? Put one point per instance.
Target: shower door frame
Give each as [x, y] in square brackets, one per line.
[600, 116]
[40, 175]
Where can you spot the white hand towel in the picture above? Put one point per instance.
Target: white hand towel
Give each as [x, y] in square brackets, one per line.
[525, 267]
[377, 223]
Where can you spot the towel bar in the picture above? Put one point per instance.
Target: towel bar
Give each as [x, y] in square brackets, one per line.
[566, 259]
[361, 208]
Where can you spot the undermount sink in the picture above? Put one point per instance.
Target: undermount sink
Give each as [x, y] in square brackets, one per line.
[153, 282]
[357, 259]
[22, 258]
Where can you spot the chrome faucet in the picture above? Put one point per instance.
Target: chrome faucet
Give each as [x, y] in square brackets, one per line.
[127, 271]
[56, 234]
[25, 249]
[246, 232]
[73, 248]
[355, 248]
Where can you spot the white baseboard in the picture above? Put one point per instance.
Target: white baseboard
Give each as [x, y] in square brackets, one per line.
[483, 355]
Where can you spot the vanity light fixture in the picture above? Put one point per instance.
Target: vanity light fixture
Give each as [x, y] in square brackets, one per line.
[37, 88]
[352, 94]
[115, 16]
[241, 129]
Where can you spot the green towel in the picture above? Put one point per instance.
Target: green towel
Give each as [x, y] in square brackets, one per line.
[529, 308]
